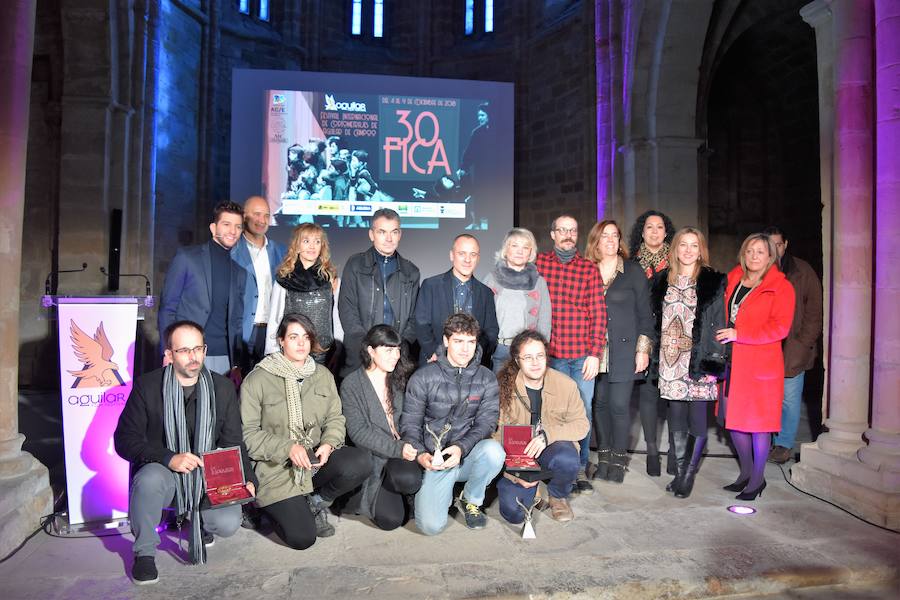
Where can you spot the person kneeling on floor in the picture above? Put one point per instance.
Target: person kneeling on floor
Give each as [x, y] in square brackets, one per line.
[549, 401]
[294, 430]
[449, 413]
[173, 415]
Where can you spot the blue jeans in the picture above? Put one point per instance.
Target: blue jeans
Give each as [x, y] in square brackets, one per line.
[478, 469]
[499, 358]
[559, 457]
[790, 411]
[572, 368]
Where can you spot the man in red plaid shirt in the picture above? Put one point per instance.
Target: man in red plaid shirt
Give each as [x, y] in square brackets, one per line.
[578, 322]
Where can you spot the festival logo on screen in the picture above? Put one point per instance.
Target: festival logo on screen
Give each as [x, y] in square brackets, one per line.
[332, 104]
[419, 141]
[95, 354]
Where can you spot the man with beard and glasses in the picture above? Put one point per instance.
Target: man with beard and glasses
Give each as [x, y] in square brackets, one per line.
[578, 319]
[173, 415]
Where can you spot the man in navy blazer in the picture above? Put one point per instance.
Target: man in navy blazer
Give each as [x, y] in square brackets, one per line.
[452, 292]
[260, 257]
[204, 285]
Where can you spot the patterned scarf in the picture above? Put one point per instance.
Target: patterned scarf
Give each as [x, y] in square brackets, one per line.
[278, 364]
[189, 487]
[653, 262]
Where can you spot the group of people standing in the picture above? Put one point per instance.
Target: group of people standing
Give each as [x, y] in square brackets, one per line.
[554, 340]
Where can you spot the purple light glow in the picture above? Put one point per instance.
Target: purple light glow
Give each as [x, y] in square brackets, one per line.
[603, 69]
[741, 510]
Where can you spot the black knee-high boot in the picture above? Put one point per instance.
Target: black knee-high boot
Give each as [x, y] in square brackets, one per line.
[680, 440]
[687, 483]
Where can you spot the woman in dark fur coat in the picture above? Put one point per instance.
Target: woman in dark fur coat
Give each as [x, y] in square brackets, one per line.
[687, 302]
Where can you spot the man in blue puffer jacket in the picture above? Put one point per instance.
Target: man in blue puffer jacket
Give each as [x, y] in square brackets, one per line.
[450, 410]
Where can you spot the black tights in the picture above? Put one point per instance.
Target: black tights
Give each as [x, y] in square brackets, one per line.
[611, 416]
[400, 478]
[689, 416]
[651, 407]
[294, 522]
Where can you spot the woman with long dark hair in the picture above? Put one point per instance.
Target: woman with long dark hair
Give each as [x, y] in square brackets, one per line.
[648, 245]
[687, 304]
[372, 398]
[759, 304]
[294, 432]
[627, 351]
[305, 283]
[649, 240]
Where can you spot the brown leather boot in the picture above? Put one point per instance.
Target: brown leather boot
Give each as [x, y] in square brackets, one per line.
[560, 509]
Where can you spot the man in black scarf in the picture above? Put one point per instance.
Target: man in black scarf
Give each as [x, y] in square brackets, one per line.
[172, 416]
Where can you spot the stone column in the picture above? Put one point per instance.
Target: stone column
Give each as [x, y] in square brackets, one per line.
[818, 16]
[865, 482]
[25, 493]
[883, 451]
[851, 289]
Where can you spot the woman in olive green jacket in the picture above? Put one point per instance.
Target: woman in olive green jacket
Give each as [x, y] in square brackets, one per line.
[294, 432]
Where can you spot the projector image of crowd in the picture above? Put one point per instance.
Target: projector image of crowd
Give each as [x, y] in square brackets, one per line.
[376, 391]
[323, 170]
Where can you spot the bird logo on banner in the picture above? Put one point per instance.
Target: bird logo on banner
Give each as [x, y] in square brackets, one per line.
[95, 353]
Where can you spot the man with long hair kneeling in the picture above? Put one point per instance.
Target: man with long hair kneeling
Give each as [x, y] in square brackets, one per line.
[533, 394]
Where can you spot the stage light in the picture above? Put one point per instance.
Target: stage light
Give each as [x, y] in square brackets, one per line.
[740, 509]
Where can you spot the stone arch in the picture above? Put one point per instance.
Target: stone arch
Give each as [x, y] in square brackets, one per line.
[659, 141]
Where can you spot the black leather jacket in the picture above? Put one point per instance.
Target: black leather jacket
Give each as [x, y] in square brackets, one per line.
[361, 301]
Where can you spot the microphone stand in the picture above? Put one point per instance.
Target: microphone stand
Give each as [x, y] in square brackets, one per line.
[148, 300]
[46, 301]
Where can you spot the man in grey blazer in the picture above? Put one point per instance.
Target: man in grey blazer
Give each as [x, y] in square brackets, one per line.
[204, 285]
[260, 257]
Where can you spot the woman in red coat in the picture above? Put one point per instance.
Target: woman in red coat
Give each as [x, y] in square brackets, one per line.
[759, 306]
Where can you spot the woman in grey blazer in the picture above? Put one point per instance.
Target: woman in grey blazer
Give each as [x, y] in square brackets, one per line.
[627, 353]
[372, 399]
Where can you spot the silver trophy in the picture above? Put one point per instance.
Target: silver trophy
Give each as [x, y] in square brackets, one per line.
[528, 529]
[437, 457]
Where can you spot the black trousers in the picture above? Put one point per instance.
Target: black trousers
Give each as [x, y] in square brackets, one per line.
[400, 478]
[611, 415]
[294, 522]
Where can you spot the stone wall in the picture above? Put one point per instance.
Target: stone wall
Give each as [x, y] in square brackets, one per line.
[40, 223]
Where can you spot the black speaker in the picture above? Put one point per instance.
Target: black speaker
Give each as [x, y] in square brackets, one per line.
[115, 249]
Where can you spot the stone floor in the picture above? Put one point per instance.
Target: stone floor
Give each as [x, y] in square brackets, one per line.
[628, 541]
